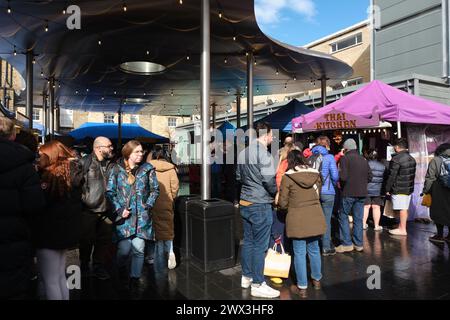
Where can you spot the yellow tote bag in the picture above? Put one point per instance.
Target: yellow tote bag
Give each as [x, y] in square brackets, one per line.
[277, 264]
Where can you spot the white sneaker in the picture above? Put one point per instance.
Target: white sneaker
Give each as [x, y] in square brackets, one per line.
[379, 228]
[366, 226]
[350, 219]
[264, 291]
[246, 282]
[172, 263]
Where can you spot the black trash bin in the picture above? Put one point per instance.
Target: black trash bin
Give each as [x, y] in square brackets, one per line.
[181, 239]
[211, 234]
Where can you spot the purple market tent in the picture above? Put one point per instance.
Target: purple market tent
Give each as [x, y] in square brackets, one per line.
[428, 124]
[391, 105]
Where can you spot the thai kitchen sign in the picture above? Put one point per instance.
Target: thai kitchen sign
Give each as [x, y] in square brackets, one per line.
[340, 120]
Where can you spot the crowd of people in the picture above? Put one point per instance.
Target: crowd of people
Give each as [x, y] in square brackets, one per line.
[111, 208]
[117, 209]
[297, 201]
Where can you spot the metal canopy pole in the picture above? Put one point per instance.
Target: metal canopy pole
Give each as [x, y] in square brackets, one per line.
[205, 78]
[119, 137]
[399, 129]
[238, 110]
[250, 119]
[213, 116]
[29, 103]
[57, 117]
[45, 111]
[323, 90]
[52, 108]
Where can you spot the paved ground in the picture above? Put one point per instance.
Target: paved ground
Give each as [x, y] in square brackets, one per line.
[411, 268]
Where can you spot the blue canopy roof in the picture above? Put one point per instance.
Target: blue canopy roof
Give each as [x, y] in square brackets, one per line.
[226, 126]
[111, 131]
[281, 119]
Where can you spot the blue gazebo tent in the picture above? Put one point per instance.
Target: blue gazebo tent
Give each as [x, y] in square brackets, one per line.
[281, 119]
[111, 131]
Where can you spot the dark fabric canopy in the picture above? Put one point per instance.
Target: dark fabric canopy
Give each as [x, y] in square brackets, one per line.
[281, 119]
[111, 131]
[85, 62]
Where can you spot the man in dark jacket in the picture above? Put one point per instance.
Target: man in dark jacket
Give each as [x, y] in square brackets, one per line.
[256, 173]
[96, 226]
[355, 174]
[400, 183]
[20, 195]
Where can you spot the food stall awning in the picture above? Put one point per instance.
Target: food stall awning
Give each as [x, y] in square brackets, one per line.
[375, 100]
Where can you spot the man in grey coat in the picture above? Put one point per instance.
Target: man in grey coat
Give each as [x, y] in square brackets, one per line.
[256, 173]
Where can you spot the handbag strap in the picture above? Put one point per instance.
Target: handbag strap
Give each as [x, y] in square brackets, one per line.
[274, 248]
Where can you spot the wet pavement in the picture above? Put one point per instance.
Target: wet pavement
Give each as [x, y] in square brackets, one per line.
[411, 268]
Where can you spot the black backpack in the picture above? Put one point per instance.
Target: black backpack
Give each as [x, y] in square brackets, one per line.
[444, 174]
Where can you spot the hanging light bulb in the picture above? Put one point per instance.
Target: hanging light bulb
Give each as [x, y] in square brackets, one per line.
[15, 51]
[64, 10]
[295, 78]
[87, 90]
[103, 98]
[115, 92]
[225, 60]
[59, 85]
[220, 14]
[171, 92]
[254, 62]
[234, 38]
[76, 92]
[42, 73]
[257, 88]
[276, 72]
[228, 92]
[99, 42]
[46, 26]
[285, 86]
[34, 61]
[148, 52]
[9, 8]
[124, 7]
[181, 1]
[187, 57]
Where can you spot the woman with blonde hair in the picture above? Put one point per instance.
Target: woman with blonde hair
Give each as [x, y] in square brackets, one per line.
[132, 190]
[57, 227]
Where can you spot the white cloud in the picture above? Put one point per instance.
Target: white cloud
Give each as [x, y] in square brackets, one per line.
[270, 11]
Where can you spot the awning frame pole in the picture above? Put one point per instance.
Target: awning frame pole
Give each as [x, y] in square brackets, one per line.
[205, 79]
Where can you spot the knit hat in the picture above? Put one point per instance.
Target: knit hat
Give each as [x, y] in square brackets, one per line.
[350, 144]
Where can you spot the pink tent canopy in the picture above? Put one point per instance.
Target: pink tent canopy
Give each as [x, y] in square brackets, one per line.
[391, 104]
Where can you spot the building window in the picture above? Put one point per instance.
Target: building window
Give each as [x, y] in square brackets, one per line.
[354, 82]
[36, 115]
[134, 119]
[108, 117]
[346, 43]
[172, 122]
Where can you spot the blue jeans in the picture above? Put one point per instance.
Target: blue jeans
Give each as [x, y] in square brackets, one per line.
[301, 247]
[277, 229]
[327, 202]
[257, 222]
[137, 248]
[149, 249]
[163, 246]
[355, 205]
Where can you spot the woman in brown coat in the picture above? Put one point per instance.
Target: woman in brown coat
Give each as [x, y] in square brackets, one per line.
[162, 212]
[305, 222]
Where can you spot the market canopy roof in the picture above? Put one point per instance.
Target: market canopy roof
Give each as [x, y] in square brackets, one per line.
[111, 131]
[86, 63]
[378, 99]
[281, 119]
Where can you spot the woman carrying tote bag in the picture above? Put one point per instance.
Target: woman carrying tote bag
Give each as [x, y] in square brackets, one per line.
[305, 221]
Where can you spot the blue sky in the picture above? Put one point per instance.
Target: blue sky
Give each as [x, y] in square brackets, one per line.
[298, 22]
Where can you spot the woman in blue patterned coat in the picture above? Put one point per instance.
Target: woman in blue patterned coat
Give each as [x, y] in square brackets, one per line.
[132, 189]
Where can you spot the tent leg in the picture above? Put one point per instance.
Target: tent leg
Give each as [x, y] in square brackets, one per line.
[399, 129]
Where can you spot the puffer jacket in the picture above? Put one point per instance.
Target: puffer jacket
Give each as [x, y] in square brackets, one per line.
[329, 171]
[21, 197]
[141, 201]
[162, 212]
[299, 194]
[375, 186]
[402, 172]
